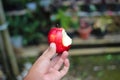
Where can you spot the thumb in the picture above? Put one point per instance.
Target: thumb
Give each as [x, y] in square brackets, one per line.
[51, 51]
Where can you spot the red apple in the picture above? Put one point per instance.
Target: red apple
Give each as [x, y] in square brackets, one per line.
[60, 38]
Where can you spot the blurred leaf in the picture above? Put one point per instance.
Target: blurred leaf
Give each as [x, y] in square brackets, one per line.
[25, 42]
[100, 74]
[84, 74]
[109, 57]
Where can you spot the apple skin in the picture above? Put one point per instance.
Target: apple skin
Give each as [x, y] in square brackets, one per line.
[55, 36]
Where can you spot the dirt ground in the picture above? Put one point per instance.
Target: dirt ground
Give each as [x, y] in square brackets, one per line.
[102, 67]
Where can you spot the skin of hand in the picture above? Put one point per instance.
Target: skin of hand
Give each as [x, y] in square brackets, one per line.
[48, 66]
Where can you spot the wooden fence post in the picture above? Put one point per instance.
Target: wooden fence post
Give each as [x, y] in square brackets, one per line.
[7, 43]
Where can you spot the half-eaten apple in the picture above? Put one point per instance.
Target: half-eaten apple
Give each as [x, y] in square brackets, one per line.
[60, 38]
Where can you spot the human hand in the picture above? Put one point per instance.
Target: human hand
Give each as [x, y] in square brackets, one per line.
[48, 67]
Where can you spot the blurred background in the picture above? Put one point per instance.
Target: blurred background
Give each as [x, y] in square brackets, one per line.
[94, 26]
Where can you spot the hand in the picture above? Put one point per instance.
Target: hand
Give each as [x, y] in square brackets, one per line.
[48, 67]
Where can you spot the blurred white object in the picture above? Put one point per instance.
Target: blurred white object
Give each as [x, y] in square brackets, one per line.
[31, 6]
[83, 14]
[27, 67]
[45, 3]
[19, 77]
[17, 41]
[53, 17]
[97, 68]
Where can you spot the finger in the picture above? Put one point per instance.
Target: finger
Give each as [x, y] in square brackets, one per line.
[54, 60]
[58, 65]
[57, 57]
[50, 52]
[64, 55]
[61, 60]
[65, 68]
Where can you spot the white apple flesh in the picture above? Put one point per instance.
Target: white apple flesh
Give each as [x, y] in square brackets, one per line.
[66, 40]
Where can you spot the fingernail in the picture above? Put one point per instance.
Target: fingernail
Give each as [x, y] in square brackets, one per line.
[52, 45]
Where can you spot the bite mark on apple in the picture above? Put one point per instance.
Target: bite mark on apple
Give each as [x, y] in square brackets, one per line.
[66, 40]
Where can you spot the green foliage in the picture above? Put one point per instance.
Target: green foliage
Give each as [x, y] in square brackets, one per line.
[109, 57]
[14, 25]
[64, 20]
[100, 74]
[26, 26]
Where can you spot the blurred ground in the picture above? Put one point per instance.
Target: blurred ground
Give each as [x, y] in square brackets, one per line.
[103, 67]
